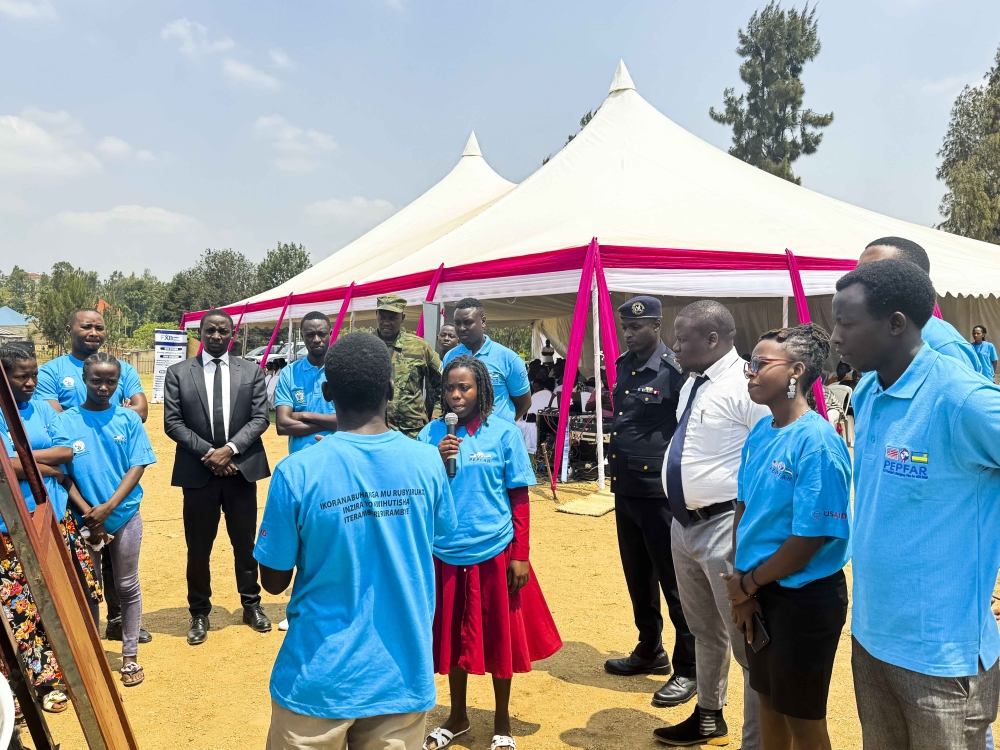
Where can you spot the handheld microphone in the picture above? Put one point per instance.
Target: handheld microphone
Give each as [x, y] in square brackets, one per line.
[451, 465]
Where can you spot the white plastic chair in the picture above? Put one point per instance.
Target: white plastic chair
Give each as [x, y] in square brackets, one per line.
[838, 401]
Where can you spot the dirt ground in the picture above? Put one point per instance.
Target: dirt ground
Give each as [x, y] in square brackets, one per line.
[215, 696]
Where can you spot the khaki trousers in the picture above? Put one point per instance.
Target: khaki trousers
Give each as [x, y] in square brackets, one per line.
[292, 731]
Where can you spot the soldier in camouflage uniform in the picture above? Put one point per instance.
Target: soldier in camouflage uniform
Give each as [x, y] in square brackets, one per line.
[416, 369]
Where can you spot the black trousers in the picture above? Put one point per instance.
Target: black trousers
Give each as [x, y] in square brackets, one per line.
[203, 506]
[644, 544]
[108, 584]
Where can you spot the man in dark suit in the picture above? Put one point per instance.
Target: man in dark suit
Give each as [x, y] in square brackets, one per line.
[215, 409]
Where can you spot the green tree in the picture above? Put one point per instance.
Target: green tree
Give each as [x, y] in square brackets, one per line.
[770, 128]
[142, 337]
[280, 264]
[223, 277]
[19, 291]
[66, 289]
[970, 162]
[180, 296]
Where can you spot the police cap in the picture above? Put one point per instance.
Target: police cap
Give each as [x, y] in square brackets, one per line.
[641, 307]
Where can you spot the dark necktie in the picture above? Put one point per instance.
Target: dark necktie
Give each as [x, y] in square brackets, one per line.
[675, 487]
[218, 418]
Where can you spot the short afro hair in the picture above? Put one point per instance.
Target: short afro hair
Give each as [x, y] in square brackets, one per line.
[469, 303]
[218, 313]
[359, 371]
[707, 315]
[72, 315]
[808, 344]
[908, 250]
[894, 286]
[314, 315]
[12, 354]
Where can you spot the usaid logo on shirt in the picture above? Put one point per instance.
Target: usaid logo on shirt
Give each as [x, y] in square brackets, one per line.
[68, 381]
[481, 458]
[902, 462]
[780, 470]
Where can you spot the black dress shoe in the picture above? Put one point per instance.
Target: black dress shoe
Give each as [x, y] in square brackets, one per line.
[689, 733]
[199, 630]
[678, 691]
[256, 619]
[113, 632]
[632, 664]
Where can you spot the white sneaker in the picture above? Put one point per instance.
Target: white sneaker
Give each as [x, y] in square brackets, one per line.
[283, 625]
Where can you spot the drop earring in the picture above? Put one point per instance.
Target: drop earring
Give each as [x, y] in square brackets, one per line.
[791, 388]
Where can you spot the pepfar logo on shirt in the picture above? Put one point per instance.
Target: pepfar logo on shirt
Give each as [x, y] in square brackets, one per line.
[481, 458]
[903, 462]
[68, 381]
[780, 470]
[120, 439]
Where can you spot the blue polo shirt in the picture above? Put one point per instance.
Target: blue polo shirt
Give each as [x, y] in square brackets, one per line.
[987, 354]
[356, 516]
[61, 379]
[926, 515]
[490, 461]
[943, 337]
[106, 444]
[507, 370]
[37, 415]
[300, 386]
[795, 481]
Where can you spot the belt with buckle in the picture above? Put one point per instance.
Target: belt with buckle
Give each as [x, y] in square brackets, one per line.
[703, 514]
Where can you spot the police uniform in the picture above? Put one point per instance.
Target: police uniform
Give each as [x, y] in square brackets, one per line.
[645, 416]
[414, 365]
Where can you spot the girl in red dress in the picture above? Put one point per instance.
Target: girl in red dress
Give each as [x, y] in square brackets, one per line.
[490, 615]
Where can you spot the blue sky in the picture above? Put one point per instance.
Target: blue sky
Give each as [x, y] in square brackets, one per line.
[136, 134]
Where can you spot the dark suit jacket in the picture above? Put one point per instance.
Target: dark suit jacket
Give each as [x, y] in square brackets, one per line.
[187, 422]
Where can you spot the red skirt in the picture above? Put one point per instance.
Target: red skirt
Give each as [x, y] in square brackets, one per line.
[481, 628]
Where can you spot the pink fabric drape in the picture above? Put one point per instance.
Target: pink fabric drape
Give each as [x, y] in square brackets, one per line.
[431, 291]
[342, 314]
[274, 333]
[802, 309]
[606, 313]
[237, 329]
[576, 335]
[937, 311]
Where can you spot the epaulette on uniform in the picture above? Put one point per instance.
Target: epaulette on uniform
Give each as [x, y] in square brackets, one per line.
[671, 359]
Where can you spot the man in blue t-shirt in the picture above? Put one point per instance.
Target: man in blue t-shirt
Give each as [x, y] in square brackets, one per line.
[511, 389]
[303, 411]
[926, 510]
[355, 518]
[60, 380]
[938, 334]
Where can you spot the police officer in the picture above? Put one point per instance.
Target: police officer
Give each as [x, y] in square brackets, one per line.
[416, 369]
[645, 415]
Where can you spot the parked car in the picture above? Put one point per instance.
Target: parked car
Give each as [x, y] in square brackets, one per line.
[277, 352]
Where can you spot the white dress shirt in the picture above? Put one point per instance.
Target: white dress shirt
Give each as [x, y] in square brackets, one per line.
[721, 418]
[209, 367]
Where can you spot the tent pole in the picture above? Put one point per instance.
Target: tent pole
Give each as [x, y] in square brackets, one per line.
[352, 321]
[784, 312]
[599, 419]
[291, 338]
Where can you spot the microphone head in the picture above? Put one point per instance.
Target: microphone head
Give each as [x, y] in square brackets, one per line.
[451, 418]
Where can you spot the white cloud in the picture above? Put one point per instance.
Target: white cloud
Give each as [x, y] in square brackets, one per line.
[43, 145]
[194, 38]
[298, 150]
[280, 59]
[144, 155]
[354, 210]
[29, 10]
[151, 219]
[114, 148]
[13, 204]
[247, 75]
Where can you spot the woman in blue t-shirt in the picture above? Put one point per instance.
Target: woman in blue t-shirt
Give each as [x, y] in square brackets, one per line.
[986, 351]
[110, 453]
[792, 540]
[490, 614]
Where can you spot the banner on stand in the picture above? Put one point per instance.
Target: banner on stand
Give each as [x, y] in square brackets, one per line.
[169, 348]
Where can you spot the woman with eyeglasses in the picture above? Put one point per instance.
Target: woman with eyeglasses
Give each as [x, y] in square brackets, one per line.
[791, 540]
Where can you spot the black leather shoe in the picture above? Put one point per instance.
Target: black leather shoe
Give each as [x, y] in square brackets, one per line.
[113, 632]
[678, 691]
[256, 619]
[632, 664]
[688, 732]
[199, 630]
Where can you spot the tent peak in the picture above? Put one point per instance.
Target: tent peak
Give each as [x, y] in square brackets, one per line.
[622, 80]
[472, 147]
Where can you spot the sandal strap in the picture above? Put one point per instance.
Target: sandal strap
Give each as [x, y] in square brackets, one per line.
[503, 740]
[130, 667]
[441, 736]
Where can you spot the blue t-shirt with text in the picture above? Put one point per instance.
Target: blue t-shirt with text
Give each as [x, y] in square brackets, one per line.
[490, 461]
[988, 355]
[507, 371]
[61, 379]
[300, 386]
[926, 514]
[356, 516]
[106, 444]
[795, 481]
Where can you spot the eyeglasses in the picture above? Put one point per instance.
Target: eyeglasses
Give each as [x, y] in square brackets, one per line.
[755, 364]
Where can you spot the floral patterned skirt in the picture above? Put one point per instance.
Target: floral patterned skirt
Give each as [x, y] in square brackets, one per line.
[19, 606]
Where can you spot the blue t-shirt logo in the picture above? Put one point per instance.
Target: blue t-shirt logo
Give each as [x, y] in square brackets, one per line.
[481, 458]
[68, 382]
[79, 447]
[120, 439]
[902, 462]
[300, 396]
[783, 473]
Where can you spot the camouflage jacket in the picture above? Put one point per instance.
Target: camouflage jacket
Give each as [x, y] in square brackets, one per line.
[416, 377]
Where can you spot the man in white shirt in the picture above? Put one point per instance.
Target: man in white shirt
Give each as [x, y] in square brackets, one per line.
[714, 417]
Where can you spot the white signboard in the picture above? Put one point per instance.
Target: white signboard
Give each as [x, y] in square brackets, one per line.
[169, 348]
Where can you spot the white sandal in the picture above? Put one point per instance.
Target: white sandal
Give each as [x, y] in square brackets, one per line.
[443, 737]
[503, 740]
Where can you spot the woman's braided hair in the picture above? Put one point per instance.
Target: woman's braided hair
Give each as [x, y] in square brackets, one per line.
[808, 344]
[101, 358]
[484, 384]
[11, 354]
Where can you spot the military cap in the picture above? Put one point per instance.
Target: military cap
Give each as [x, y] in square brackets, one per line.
[391, 302]
[641, 307]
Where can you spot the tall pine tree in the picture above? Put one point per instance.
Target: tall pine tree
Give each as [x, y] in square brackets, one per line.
[970, 162]
[770, 128]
